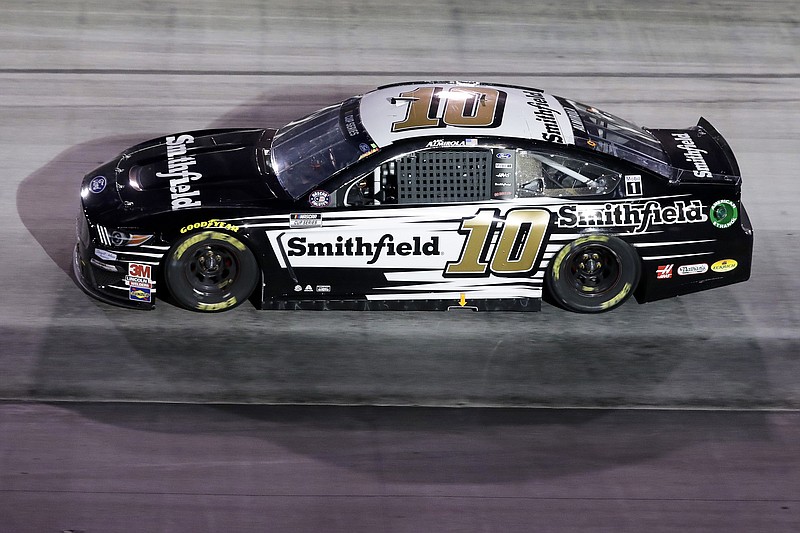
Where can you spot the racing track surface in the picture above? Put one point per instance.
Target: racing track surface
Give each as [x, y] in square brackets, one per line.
[81, 80]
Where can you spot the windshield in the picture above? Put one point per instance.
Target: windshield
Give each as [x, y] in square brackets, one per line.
[307, 152]
[623, 139]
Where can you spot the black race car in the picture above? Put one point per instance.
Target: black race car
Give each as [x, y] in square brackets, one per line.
[439, 195]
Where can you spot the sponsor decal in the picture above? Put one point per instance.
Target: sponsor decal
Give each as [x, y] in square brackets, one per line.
[664, 272]
[574, 119]
[323, 288]
[724, 265]
[546, 115]
[319, 199]
[308, 288]
[369, 152]
[105, 254]
[139, 294]
[503, 155]
[723, 213]
[358, 247]
[503, 165]
[591, 143]
[690, 270]
[305, 220]
[442, 143]
[350, 125]
[693, 154]
[502, 193]
[639, 216]
[179, 173]
[212, 223]
[98, 184]
[501, 175]
[633, 185]
[298, 288]
[364, 147]
[139, 276]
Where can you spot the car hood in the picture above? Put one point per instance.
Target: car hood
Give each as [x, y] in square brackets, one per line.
[204, 168]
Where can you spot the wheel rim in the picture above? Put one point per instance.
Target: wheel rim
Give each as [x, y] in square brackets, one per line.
[211, 270]
[594, 270]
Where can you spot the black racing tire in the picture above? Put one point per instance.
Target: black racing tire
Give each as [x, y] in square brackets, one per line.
[210, 271]
[593, 274]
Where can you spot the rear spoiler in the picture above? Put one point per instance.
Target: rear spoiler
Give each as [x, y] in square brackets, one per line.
[722, 143]
[698, 154]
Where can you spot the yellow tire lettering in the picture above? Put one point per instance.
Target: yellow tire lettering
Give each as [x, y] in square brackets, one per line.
[230, 302]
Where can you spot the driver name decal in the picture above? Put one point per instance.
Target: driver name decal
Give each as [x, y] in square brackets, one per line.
[178, 170]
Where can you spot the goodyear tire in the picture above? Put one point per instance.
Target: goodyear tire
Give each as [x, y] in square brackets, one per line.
[593, 274]
[210, 271]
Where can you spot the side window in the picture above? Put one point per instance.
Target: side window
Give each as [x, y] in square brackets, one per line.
[542, 173]
[426, 177]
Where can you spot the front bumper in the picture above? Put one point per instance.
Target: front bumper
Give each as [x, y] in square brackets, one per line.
[104, 285]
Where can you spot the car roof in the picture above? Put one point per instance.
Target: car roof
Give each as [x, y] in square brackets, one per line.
[453, 108]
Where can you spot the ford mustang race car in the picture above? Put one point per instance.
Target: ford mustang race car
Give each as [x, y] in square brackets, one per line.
[426, 195]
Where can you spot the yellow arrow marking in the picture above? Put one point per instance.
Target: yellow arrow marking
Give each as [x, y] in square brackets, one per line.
[463, 301]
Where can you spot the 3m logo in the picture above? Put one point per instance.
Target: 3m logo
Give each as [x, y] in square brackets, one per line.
[140, 271]
[664, 272]
[515, 250]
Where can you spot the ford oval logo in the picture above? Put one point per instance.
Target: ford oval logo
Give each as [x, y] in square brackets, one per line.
[98, 184]
[503, 155]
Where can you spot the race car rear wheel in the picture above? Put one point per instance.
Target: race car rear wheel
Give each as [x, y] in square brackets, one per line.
[593, 274]
[210, 271]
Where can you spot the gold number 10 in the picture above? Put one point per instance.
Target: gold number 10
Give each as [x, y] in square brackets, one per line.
[517, 247]
[466, 107]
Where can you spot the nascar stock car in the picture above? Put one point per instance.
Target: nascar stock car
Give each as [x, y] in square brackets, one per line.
[425, 195]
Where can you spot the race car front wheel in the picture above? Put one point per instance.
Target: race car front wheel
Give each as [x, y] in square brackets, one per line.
[210, 271]
[593, 274]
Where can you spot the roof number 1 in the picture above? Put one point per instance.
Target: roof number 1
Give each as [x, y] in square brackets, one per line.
[465, 107]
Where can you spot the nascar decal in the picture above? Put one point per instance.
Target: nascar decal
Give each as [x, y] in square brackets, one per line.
[181, 178]
[639, 216]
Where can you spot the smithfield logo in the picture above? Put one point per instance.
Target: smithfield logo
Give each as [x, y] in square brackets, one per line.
[640, 216]
[689, 270]
[693, 154]
[724, 265]
[178, 165]
[358, 247]
[723, 213]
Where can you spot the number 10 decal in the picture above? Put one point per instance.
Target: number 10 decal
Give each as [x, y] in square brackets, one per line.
[517, 247]
[465, 107]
